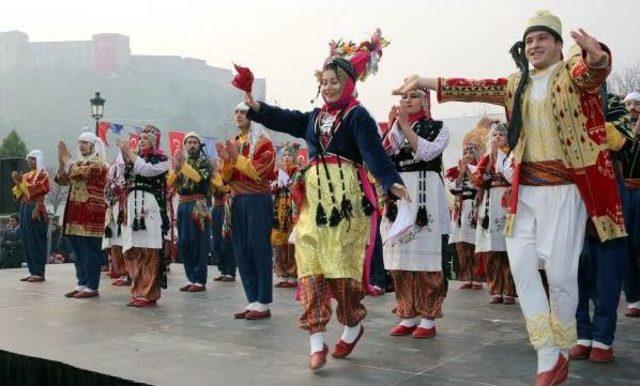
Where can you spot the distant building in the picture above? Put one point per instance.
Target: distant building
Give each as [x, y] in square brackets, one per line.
[45, 89]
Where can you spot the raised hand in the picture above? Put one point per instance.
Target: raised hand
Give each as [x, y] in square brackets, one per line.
[178, 158]
[232, 150]
[393, 114]
[222, 151]
[403, 118]
[595, 54]
[63, 152]
[415, 82]
[17, 178]
[249, 101]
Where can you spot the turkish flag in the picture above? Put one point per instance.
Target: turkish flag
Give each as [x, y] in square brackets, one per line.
[175, 143]
[133, 141]
[103, 127]
[303, 156]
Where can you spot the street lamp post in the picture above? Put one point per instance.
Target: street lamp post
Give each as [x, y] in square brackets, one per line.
[97, 108]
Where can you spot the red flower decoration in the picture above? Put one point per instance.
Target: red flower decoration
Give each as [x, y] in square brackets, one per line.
[244, 79]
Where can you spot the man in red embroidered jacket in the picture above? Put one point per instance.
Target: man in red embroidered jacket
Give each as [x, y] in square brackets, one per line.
[85, 209]
[562, 174]
[249, 168]
[30, 188]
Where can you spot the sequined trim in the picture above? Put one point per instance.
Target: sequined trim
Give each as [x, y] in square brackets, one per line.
[565, 336]
[540, 332]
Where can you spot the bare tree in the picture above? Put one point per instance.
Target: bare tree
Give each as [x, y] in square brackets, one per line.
[626, 78]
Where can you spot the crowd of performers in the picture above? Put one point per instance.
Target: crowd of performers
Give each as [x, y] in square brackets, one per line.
[539, 207]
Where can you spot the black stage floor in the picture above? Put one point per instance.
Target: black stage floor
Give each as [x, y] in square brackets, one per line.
[192, 339]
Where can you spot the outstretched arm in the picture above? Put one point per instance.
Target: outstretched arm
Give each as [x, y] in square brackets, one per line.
[458, 90]
[291, 122]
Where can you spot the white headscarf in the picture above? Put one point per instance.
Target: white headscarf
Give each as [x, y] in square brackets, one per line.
[255, 131]
[98, 151]
[39, 156]
[632, 96]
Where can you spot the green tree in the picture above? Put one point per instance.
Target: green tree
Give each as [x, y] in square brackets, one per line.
[13, 146]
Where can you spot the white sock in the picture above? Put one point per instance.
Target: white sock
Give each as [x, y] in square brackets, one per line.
[199, 285]
[317, 342]
[87, 289]
[350, 333]
[584, 342]
[188, 283]
[80, 288]
[408, 322]
[427, 323]
[603, 346]
[634, 305]
[547, 358]
[260, 307]
[252, 306]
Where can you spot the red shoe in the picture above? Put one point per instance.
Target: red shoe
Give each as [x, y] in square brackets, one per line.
[632, 312]
[186, 287]
[25, 278]
[467, 285]
[113, 275]
[286, 284]
[35, 279]
[86, 295]
[318, 359]
[476, 287]
[241, 315]
[342, 348]
[197, 288]
[401, 330]
[258, 315]
[600, 355]
[142, 302]
[121, 283]
[377, 292]
[556, 375]
[508, 300]
[71, 294]
[496, 299]
[423, 333]
[579, 352]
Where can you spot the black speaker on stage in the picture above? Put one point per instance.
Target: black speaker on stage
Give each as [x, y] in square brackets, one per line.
[7, 204]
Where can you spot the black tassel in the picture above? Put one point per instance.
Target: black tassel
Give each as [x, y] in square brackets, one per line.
[517, 52]
[367, 208]
[321, 216]
[108, 232]
[392, 211]
[335, 218]
[422, 219]
[460, 220]
[119, 230]
[485, 222]
[346, 209]
[135, 227]
[143, 225]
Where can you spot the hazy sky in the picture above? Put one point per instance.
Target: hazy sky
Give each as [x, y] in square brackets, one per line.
[286, 41]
